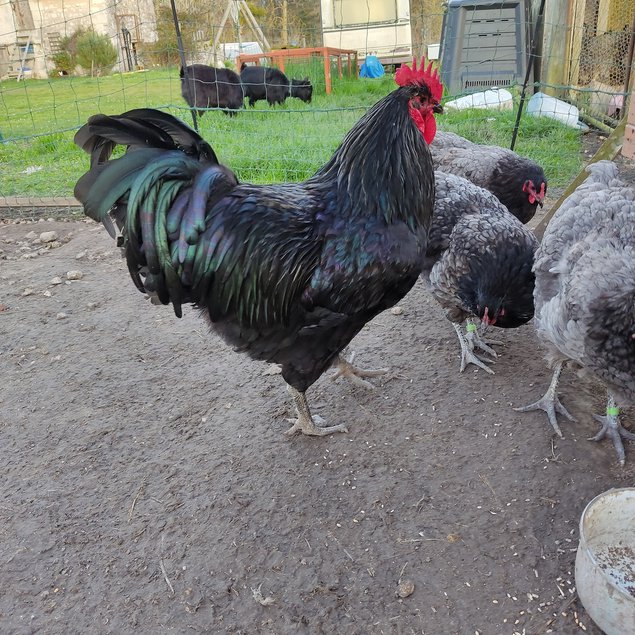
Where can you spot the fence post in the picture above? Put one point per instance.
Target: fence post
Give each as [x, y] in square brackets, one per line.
[530, 62]
[179, 43]
[555, 46]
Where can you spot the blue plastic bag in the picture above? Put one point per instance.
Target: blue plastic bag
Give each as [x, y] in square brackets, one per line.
[371, 67]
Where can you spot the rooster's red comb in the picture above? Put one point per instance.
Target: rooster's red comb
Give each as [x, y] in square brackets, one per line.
[427, 75]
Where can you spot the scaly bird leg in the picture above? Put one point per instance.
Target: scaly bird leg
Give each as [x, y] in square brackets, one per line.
[474, 339]
[346, 369]
[550, 403]
[612, 428]
[467, 356]
[305, 422]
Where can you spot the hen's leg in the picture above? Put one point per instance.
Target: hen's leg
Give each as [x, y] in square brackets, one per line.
[476, 338]
[305, 423]
[346, 369]
[611, 426]
[467, 356]
[550, 403]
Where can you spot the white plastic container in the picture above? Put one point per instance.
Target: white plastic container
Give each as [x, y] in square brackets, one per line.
[494, 99]
[605, 561]
[541, 105]
[433, 51]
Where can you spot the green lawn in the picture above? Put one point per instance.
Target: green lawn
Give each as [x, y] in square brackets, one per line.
[39, 117]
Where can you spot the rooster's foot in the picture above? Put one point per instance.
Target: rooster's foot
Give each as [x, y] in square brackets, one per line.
[550, 403]
[612, 428]
[346, 369]
[306, 423]
[308, 426]
[467, 355]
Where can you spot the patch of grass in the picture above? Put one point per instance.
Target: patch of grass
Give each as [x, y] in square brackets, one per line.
[38, 119]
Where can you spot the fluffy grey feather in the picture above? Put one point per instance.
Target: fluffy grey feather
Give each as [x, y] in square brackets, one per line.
[478, 255]
[585, 281]
[499, 170]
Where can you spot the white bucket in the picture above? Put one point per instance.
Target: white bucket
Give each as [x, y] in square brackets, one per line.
[605, 561]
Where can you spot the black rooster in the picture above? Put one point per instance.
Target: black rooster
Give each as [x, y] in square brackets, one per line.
[478, 263]
[519, 183]
[288, 273]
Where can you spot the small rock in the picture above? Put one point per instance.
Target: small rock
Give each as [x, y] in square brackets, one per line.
[47, 294]
[48, 237]
[41, 220]
[37, 241]
[31, 235]
[80, 255]
[396, 310]
[406, 588]
[50, 219]
[92, 305]
[56, 280]
[28, 291]
[74, 275]
[28, 256]
[61, 316]
[3, 307]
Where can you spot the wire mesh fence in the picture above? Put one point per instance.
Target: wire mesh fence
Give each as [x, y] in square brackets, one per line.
[62, 61]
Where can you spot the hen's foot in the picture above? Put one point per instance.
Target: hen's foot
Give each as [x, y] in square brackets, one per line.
[346, 369]
[476, 339]
[612, 428]
[550, 403]
[467, 354]
[306, 423]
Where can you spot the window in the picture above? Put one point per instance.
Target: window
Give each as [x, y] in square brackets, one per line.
[350, 12]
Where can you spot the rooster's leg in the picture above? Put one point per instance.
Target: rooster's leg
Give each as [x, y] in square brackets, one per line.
[550, 403]
[305, 422]
[611, 427]
[467, 356]
[346, 369]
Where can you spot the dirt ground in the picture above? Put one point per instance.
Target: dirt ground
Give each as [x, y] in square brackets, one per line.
[148, 484]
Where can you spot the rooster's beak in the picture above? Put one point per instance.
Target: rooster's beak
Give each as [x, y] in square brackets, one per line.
[437, 109]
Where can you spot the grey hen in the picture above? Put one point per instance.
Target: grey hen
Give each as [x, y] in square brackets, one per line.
[478, 262]
[519, 183]
[585, 295]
